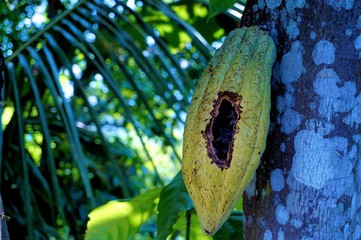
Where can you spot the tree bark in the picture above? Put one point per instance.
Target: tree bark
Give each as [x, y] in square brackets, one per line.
[308, 183]
[4, 234]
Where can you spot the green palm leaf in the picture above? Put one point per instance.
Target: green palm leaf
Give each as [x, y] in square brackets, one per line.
[100, 100]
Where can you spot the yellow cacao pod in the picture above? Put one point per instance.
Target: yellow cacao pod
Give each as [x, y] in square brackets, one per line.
[227, 124]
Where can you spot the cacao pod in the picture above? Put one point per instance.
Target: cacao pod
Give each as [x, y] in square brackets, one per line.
[227, 124]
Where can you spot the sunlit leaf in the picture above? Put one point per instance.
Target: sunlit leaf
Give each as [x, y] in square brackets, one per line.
[121, 219]
[7, 115]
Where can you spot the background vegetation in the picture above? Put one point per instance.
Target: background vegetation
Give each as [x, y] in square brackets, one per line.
[96, 97]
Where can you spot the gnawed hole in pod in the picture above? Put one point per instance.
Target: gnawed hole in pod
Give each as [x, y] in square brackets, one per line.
[221, 129]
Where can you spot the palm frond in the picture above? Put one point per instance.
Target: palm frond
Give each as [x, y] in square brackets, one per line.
[100, 101]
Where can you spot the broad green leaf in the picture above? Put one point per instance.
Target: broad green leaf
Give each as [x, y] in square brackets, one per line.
[219, 6]
[232, 228]
[173, 200]
[121, 219]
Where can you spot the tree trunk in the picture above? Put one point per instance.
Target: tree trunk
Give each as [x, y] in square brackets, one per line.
[308, 183]
[4, 234]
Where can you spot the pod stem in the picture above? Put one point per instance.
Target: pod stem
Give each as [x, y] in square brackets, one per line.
[188, 224]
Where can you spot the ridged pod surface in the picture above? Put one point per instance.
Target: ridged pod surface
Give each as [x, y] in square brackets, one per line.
[227, 124]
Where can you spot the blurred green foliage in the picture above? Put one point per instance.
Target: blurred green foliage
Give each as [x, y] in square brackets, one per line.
[96, 98]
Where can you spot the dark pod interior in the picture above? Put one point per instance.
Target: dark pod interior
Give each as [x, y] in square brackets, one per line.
[221, 129]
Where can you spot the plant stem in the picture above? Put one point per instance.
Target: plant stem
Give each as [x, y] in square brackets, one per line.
[188, 224]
